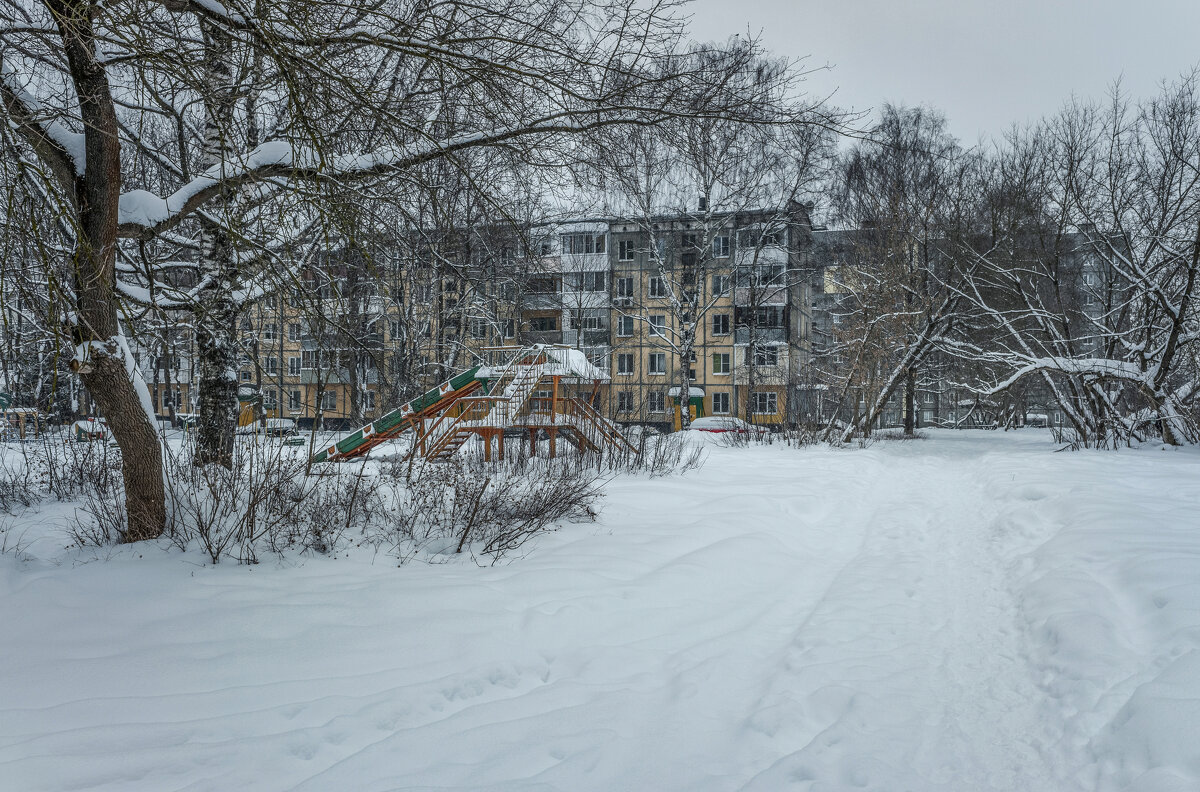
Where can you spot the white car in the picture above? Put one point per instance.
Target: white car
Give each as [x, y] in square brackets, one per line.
[721, 424]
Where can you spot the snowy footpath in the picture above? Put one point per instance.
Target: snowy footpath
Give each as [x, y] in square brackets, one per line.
[965, 613]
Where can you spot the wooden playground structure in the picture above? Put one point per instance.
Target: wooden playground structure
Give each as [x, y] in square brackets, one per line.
[531, 390]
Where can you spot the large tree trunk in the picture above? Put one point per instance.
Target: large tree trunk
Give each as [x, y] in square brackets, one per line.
[102, 358]
[107, 379]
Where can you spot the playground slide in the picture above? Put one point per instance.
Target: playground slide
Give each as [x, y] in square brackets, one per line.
[397, 421]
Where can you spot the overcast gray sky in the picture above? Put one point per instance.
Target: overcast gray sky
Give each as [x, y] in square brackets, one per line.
[984, 64]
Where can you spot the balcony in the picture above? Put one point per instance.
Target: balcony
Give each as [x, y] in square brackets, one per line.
[764, 335]
[590, 337]
[763, 375]
[542, 301]
[337, 377]
[541, 337]
[765, 295]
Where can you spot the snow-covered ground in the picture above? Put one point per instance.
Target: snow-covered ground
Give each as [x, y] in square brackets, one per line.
[969, 612]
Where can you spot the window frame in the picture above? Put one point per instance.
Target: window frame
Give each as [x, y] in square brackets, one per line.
[771, 398]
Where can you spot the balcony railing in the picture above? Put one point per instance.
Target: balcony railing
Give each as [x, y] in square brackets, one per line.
[541, 337]
[762, 335]
[590, 337]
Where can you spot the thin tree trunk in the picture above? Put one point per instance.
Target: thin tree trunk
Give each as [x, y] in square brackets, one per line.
[910, 402]
[218, 315]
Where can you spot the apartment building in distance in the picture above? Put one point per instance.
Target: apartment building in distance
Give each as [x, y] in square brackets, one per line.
[367, 330]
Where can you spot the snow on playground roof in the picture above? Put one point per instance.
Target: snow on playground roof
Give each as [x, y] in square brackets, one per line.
[572, 363]
[565, 362]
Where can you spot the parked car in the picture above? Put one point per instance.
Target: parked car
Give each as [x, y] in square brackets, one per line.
[723, 423]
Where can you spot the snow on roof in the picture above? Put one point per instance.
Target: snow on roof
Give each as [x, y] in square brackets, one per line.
[572, 363]
[693, 392]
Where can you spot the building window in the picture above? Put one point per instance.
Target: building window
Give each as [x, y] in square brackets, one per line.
[720, 403]
[625, 401]
[625, 363]
[658, 363]
[269, 331]
[720, 246]
[370, 400]
[295, 400]
[479, 328]
[720, 285]
[510, 328]
[764, 402]
[246, 376]
[657, 401]
[583, 243]
[720, 324]
[294, 332]
[658, 287]
[328, 400]
[625, 250]
[720, 363]
[658, 324]
[624, 288]
[624, 326]
[272, 365]
[766, 355]
[543, 324]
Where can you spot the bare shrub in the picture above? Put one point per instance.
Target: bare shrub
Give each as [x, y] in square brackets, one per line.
[265, 503]
[73, 469]
[487, 509]
[653, 455]
[18, 482]
[12, 543]
[90, 472]
[899, 436]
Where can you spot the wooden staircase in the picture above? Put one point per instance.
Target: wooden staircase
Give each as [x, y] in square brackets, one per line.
[477, 414]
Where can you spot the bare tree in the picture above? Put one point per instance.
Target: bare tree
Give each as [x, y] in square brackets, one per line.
[908, 191]
[1095, 297]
